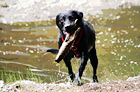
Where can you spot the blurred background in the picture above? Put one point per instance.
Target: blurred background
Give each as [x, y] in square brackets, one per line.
[28, 29]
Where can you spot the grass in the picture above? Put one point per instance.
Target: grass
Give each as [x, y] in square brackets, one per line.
[12, 76]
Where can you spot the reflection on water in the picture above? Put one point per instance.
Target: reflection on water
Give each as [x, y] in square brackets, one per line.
[118, 47]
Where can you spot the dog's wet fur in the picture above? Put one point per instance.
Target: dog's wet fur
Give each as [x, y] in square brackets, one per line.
[86, 46]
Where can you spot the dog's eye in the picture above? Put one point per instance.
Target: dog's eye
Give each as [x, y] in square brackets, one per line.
[62, 20]
[71, 18]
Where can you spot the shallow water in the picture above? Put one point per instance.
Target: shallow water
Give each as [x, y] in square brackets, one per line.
[117, 44]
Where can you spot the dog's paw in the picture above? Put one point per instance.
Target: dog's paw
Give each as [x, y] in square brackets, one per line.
[77, 81]
[95, 79]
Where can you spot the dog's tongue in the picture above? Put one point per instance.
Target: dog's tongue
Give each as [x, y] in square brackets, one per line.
[66, 45]
[65, 33]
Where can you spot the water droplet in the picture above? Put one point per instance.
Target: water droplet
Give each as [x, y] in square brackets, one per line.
[27, 49]
[97, 16]
[100, 33]
[98, 41]
[135, 29]
[109, 29]
[20, 41]
[121, 57]
[117, 17]
[4, 53]
[105, 39]
[126, 41]
[135, 63]
[10, 38]
[118, 63]
[31, 51]
[112, 36]
[110, 14]
[26, 24]
[131, 62]
[132, 26]
[103, 45]
[106, 33]
[44, 29]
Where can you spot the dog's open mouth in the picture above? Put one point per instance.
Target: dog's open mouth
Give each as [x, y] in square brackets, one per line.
[71, 29]
[69, 40]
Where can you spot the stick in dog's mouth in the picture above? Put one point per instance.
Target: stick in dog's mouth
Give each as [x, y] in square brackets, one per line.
[75, 22]
[69, 35]
[66, 45]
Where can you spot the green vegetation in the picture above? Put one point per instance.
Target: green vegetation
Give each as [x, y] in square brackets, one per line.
[11, 76]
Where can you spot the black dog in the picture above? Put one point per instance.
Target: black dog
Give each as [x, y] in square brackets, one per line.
[84, 45]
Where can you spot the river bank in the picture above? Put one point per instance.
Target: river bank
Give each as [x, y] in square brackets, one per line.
[130, 85]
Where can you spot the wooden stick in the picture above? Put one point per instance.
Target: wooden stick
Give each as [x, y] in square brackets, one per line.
[66, 45]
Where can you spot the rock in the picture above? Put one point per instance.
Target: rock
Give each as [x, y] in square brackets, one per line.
[133, 78]
[1, 84]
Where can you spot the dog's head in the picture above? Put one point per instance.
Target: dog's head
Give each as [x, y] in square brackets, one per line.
[69, 21]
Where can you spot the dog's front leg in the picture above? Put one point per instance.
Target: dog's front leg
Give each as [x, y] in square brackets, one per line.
[68, 64]
[81, 68]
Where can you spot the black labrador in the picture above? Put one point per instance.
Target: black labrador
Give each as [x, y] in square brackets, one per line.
[84, 45]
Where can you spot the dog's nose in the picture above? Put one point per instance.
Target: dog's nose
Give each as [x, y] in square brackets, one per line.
[67, 27]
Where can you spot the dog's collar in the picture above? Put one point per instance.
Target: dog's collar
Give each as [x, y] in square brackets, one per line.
[74, 46]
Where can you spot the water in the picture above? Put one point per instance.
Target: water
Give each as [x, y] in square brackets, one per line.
[117, 44]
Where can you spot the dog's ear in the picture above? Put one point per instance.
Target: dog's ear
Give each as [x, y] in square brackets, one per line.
[57, 20]
[79, 15]
[58, 23]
